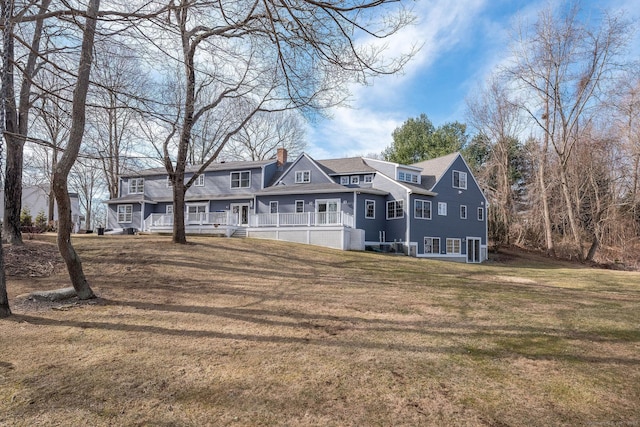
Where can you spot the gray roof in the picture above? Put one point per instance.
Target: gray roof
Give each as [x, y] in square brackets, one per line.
[432, 170]
[316, 188]
[222, 166]
[349, 165]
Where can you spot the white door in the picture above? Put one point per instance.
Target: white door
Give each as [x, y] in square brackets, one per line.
[240, 213]
[327, 211]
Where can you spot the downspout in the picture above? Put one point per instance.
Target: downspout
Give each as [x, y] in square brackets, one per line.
[408, 238]
[355, 209]
[142, 216]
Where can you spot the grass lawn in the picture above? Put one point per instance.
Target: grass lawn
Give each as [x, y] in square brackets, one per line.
[250, 332]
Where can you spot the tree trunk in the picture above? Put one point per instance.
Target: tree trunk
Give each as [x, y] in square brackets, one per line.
[570, 211]
[595, 244]
[4, 300]
[61, 173]
[179, 232]
[13, 188]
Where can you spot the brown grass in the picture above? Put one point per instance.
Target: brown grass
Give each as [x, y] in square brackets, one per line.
[248, 332]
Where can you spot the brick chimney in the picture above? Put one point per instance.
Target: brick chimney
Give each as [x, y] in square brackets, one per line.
[281, 157]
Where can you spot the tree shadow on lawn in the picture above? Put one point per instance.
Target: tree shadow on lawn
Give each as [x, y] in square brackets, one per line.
[468, 339]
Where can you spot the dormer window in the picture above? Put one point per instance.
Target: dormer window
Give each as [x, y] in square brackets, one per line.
[199, 182]
[355, 179]
[407, 177]
[136, 185]
[241, 179]
[368, 179]
[303, 177]
[344, 180]
[460, 180]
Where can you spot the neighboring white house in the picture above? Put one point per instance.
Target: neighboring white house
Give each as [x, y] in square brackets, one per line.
[36, 198]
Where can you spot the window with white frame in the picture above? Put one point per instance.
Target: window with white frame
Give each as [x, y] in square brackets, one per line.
[169, 209]
[368, 179]
[463, 212]
[355, 179]
[199, 182]
[431, 245]
[344, 180]
[273, 207]
[303, 177]
[125, 213]
[480, 214]
[407, 177]
[395, 209]
[442, 208]
[241, 179]
[136, 185]
[453, 246]
[460, 180]
[299, 206]
[370, 209]
[422, 209]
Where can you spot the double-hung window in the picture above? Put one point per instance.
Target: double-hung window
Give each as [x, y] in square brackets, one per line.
[453, 246]
[136, 185]
[303, 177]
[431, 245]
[370, 209]
[125, 213]
[240, 179]
[463, 212]
[442, 208]
[299, 206]
[460, 180]
[480, 214]
[395, 209]
[422, 209]
[273, 207]
[199, 182]
[344, 180]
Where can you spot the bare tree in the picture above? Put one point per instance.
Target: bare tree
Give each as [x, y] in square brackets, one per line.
[64, 165]
[561, 67]
[493, 115]
[259, 56]
[16, 115]
[114, 116]
[86, 178]
[265, 133]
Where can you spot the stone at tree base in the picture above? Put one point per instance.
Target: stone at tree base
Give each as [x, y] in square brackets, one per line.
[53, 295]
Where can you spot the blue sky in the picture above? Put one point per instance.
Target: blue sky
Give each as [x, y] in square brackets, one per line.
[463, 41]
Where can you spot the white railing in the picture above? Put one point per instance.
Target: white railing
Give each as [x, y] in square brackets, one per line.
[308, 219]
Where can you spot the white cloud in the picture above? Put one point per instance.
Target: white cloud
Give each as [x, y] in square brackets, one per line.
[378, 109]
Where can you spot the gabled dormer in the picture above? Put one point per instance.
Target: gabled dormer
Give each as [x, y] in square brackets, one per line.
[396, 171]
[304, 170]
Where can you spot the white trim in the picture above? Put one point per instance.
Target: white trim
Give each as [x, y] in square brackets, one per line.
[296, 206]
[200, 177]
[442, 208]
[277, 205]
[137, 180]
[395, 201]
[479, 248]
[240, 187]
[424, 242]
[453, 239]
[415, 201]
[354, 179]
[301, 174]
[465, 212]
[130, 214]
[460, 175]
[329, 179]
[366, 210]
[481, 209]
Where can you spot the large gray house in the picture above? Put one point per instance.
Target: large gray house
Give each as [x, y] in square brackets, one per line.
[429, 209]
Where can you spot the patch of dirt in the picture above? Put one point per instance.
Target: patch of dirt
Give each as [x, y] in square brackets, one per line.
[33, 259]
